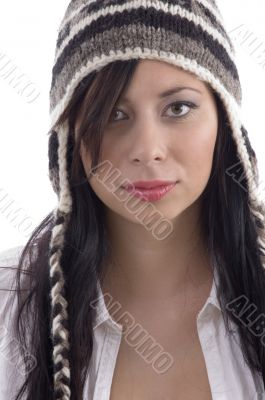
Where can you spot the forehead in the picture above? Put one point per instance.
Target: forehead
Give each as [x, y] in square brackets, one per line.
[156, 76]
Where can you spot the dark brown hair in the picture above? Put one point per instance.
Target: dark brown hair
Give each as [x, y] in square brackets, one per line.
[228, 225]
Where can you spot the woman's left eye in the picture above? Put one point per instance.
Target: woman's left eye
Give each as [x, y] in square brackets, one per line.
[181, 105]
[177, 104]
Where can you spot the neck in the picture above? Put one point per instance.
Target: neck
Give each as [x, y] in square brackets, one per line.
[144, 268]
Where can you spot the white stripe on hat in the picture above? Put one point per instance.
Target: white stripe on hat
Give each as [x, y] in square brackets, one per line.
[160, 6]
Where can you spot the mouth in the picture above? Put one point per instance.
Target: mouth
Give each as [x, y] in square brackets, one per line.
[145, 185]
[151, 194]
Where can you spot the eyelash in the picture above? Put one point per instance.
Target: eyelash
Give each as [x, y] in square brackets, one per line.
[176, 103]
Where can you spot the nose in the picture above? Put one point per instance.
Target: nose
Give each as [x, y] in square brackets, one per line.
[147, 143]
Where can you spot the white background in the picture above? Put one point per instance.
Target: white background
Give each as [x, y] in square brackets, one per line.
[28, 33]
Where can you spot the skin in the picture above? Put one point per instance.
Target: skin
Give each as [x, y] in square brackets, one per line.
[147, 139]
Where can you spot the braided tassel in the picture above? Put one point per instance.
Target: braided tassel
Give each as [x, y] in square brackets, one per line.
[59, 314]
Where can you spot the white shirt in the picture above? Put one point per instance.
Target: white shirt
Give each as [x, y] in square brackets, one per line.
[228, 374]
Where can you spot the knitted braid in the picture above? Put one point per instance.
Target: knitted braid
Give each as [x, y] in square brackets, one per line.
[59, 314]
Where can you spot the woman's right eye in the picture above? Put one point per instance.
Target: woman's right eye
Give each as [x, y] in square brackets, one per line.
[115, 112]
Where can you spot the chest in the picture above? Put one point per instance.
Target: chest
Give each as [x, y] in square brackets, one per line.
[148, 370]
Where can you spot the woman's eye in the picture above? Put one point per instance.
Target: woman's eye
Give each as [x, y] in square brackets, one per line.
[184, 106]
[113, 113]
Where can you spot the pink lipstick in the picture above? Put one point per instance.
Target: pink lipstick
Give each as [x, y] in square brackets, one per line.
[150, 190]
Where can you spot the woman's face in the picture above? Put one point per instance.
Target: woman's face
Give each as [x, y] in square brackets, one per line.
[149, 137]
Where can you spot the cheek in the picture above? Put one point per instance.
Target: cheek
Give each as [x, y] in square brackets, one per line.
[203, 138]
[196, 154]
[108, 153]
[201, 152]
[101, 180]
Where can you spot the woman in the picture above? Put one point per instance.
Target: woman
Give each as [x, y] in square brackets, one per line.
[144, 92]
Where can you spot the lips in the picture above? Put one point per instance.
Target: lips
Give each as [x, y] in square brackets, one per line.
[149, 184]
[151, 194]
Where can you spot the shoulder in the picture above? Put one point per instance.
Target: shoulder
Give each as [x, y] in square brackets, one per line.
[10, 362]
[9, 259]
[10, 255]
[8, 263]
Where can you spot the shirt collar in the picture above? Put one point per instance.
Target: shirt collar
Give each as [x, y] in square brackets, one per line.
[103, 316]
[212, 299]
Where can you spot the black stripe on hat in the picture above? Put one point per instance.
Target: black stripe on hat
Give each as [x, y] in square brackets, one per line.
[214, 22]
[147, 18]
[99, 6]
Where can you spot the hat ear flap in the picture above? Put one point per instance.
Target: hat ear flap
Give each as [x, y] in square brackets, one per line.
[247, 142]
[53, 145]
[251, 154]
[257, 206]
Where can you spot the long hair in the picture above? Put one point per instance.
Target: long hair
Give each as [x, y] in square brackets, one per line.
[230, 230]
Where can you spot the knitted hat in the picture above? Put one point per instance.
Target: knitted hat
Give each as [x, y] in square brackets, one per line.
[93, 33]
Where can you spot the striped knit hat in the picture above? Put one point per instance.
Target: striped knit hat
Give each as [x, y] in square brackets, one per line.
[93, 33]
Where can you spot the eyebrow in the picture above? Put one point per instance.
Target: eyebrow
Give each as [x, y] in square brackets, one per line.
[176, 90]
[169, 92]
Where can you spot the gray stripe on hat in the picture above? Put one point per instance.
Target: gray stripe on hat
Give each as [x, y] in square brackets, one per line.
[119, 38]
